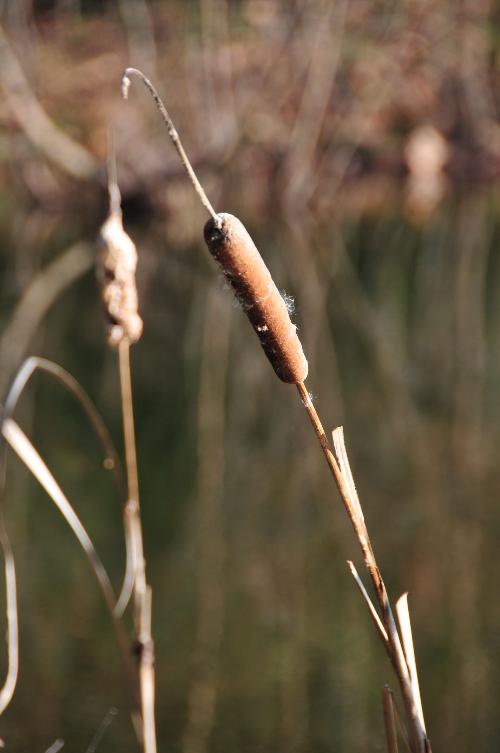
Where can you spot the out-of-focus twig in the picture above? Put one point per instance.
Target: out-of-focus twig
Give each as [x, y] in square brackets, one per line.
[55, 145]
[42, 292]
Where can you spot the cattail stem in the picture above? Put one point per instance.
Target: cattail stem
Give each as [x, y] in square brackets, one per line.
[142, 592]
[420, 743]
[172, 132]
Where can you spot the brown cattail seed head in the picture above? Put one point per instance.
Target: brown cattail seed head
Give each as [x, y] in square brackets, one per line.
[116, 273]
[243, 267]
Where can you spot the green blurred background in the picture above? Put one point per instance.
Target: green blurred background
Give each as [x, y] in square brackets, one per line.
[360, 143]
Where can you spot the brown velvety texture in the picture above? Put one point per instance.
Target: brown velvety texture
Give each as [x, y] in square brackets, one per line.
[243, 267]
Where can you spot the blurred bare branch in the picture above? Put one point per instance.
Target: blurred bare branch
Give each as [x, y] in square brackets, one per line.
[55, 145]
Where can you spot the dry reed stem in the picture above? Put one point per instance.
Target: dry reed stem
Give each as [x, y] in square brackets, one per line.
[111, 459]
[418, 737]
[172, 132]
[36, 363]
[243, 267]
[373, 612]
[389, 720]
[24, 449]
[117, 268]
[403, 614]
[141, 591]
[23, 375]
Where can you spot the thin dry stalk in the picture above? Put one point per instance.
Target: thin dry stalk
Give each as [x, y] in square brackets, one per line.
[172, 132]
[393, 645]
[33, 461]
[403, 613]
[26, 452]
[373, 612]
[389, 720]
[117, 268]
[111, 459]
[142, 593]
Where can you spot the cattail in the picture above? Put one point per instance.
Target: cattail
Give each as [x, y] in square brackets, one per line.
[116, 273]
[243, 267]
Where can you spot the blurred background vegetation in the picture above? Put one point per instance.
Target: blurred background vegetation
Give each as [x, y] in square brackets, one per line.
[360, 143]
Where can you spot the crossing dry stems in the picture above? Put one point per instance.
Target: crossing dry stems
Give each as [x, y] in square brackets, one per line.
[242, 265]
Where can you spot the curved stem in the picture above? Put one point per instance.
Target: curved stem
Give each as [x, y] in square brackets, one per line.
[172, 132]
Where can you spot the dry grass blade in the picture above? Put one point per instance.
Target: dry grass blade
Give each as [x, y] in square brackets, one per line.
[24, 374]
[341, 452]
[111, 461]
[406, 636]
[373, 612]
[389, 720]
[9, 686]
[395, 652]
[26, 452]
[141, 590]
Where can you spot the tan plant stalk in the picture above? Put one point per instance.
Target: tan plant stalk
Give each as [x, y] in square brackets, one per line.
[393, 642]
[144, 646]
[118, 261]
[234, 251]
[389, 720]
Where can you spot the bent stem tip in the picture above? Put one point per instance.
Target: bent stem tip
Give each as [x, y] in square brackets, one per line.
[172, 132]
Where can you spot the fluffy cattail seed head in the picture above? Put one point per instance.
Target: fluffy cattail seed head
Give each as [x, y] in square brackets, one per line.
[236, 254]
[116, 273]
